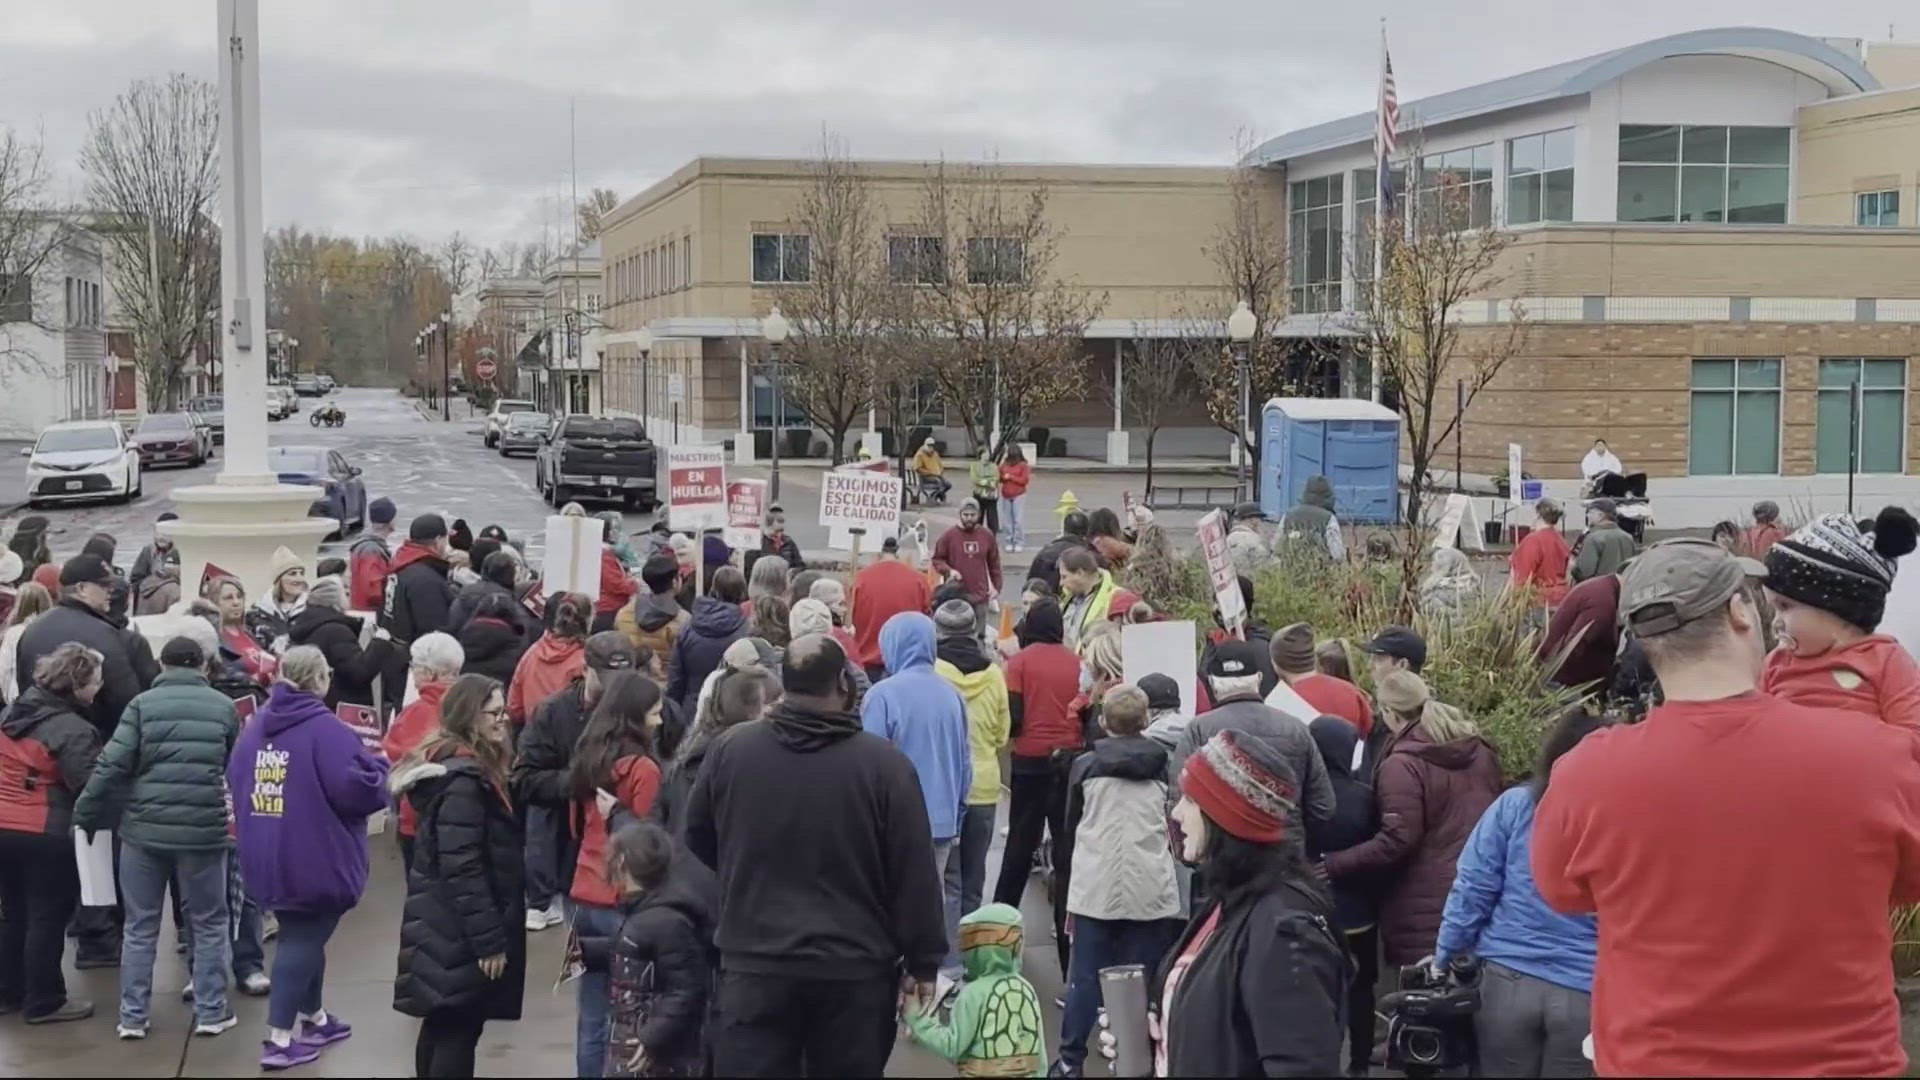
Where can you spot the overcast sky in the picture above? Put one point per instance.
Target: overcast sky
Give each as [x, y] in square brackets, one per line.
[426, 116]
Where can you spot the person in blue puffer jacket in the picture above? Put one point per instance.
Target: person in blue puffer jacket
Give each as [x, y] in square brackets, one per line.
[1536, 989]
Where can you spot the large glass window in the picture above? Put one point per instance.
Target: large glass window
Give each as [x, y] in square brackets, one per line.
[917, 260]
[1878, 433]
[1735, 416]
[1314, 213]
[1540, 177]
[1877, 208]
[1681, 173]
[782, 258]
[995, 260]
[1366, 197]
[1458, 183]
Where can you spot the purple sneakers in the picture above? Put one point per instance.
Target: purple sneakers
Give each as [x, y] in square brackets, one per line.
[318, 1035]
[273, 1056]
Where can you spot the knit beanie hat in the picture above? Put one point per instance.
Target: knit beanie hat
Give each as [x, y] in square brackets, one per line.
[283, 560]
[327, 592]
[954, 617]
[1830, 564]
[810, 616]
[1293, 649]
[1242, 786]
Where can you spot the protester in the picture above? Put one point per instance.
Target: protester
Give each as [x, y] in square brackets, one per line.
[1727, 535]
[995, 1027]
[984, 478]
[9, 582]
[768, 577]
[930, 471]
[1581, 644]
[47, 576]
[662, 965]
[463, 952]
[322, 624]
[969, 552]
[738, 697]
[370, 558]
[1652, 827]
[34, 601]
[1015, 476]
[1451, 586]
[419, 596]
[270, 620]
[1120, 888]
[102, 546]
[1233, 676]
[983, 687]
[554, 661]
[829, 591]
[1605, 547]
[1356, 897]
[491, 642]
[714, 554]
[1539, 560]
[655, 618]
[1254, 986]
[499, 577]
[249, 654]
[775, 540]
[29, 541]
[1311, 525]
[435, 661]
[716, 623]
[1759, 538]
[460, 536]
[771, 621]
[157, 786]
[1434, 781]
[303, 787]
[883, 589]
[127, 665]
[1538, 975]
[1073, 534]
[1828, 583]
[617, 588]
[1103, 531]
[46, 757]
[1086, 591]
[1334, 658]
[809, 816]
[1295, 659]
[159, 589]
[810, 616]
[1247, 547]
[1165, 718]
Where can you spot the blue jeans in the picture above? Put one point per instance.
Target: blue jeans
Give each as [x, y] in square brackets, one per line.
[590, 1032]
[1012, 525]
[299, 966]
[202, 877]
[966, 877]
[542, 886]
[1105, 943]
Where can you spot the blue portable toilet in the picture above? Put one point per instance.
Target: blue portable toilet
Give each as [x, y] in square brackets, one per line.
[1352, 442]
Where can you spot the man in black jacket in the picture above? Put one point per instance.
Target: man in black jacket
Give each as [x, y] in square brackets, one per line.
[819, 836]
[542, 777]
[1073, 534]
[419, 596]
[324, 625]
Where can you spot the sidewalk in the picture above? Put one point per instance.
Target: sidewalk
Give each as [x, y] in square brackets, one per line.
[13, 474]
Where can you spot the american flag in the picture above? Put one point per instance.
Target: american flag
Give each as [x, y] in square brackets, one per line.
[1386, 125]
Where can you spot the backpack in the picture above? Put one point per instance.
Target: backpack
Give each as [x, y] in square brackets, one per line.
[27, 770]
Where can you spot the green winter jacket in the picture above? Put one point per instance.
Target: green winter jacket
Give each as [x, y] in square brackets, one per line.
[161, 781]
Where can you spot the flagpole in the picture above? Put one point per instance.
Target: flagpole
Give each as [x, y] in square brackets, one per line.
[1380, 166]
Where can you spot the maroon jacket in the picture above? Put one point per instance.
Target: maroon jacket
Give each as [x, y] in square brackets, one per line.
[975, 554]
[1431, 796]
[1587, 619]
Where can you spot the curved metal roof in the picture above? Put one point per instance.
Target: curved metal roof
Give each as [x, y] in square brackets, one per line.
[1839, 72]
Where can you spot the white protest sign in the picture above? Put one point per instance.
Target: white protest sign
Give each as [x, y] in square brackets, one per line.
[859, 499]
[1515, 489]
[746, 508]
[1459, 525]
[696, 487]
[1162, 648]
[573, 555]
[1226, 584]
[94, 859]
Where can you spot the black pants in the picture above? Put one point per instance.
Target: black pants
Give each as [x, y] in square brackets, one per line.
[1364, 947]
[777, 1025]
[39, 889]
[990, 514]
[1037, 799]
[446, 1043]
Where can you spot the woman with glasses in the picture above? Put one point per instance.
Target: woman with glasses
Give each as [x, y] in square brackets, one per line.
[463, 944]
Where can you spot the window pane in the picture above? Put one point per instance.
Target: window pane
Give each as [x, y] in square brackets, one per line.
[1526, 155]
[1712, 373]
[1703, 145]
[1651, 143]
[1482, 209]
[1710, 436]
[1557, 203]
[1334, 190]
[1757, 432]
[1866, 209]
[799, 264]
[766, 257]
[1758, 145]
[1838, 372]
[1885, 373]
[1364, 183]
[1759, 373]
[1703, 195]
[1889, 215]
[1757, 195]
[1830, 432]
[1559, 148]
[1523, 200]
[1317, 191]
[1882, 422]
[1647, 192]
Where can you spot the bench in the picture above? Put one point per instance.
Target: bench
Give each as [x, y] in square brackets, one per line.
[1192, 496]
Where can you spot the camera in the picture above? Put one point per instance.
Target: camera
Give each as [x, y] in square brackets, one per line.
[1430, 1018]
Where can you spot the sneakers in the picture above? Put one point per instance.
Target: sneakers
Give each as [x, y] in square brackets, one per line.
[186, 992]
[333, 1031]
[256, 984]
[72, 1010]
[269, 926]
[131, 1031]
[540, 918]
[211, 1028]
[273, 1056]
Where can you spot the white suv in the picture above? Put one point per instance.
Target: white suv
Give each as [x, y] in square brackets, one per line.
[497, 419]
[82, 459]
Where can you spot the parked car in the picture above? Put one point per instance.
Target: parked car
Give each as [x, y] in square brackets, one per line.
[212, 409]
[326, 383]
[598, 457]
[180, 438]
[345, 495]
[281, 402]
[82, 459]
[524, 432]
[308, 386]
[497, 419]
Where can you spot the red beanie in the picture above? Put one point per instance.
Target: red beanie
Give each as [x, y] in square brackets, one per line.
[1242, 786]
[47, 575]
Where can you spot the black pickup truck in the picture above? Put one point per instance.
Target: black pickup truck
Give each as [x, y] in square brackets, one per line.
[597, 457]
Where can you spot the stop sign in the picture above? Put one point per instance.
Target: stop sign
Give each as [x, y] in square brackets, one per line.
[484, 369]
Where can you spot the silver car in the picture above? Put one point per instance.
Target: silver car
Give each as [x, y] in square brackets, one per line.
[522, 433]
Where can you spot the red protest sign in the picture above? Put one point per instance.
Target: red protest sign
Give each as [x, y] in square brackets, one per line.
[746, 508]
[696, 487]
[1226, 584]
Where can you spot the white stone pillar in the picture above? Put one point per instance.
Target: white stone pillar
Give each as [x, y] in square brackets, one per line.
[1118, 452]
[743, 439]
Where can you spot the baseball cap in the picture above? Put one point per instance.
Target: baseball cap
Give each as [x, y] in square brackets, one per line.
[85, 568]
[609, 650]
[1400, 643]
[1233, 659]
[1677, 581]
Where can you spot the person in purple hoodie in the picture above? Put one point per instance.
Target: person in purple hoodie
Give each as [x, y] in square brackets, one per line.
[303, 787]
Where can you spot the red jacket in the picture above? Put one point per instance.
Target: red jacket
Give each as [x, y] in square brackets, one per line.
[368, 565]
[1045, 677]
[616, 585]
[1014, 477]
[1540, 560]
[1874, 676]
[975, 555]
[1337, 697]
[880, 592]
[543, 671]
[636, 781]
[407, 732]
[1804, 821]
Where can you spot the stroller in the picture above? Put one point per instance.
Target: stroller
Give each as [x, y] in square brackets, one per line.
[1629, 494]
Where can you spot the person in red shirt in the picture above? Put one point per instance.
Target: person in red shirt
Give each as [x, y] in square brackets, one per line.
[1539, 561]
[970, 550]
[554, 661]
[371, 558]
[1805, 822]
[1295, 660]
[1582, 636]
[1829, 583]
[1765, 532]
[1015, 475]
[617, 587]
[436, 660]
[884, 589]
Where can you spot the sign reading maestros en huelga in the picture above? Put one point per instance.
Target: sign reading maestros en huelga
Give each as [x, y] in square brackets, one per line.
[860, 500]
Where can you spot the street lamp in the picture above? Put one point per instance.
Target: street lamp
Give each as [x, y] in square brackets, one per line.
[643, 338]
[1240, 329]
[446, 365]
[775, 329]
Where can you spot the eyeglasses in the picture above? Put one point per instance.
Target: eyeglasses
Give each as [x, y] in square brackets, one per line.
[494, 713]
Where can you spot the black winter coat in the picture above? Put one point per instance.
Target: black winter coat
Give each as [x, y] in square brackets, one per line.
[419, 596]
[662, 974]
[542, 769]
[467, 605]
[466, 895]
[337, 634]
[493, 648]
[1046, 564]
[1356, 817]
[128, 666]
[700, 647]
[1266, 995]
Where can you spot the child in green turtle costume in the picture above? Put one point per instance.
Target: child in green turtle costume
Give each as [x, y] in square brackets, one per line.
[995, 1026]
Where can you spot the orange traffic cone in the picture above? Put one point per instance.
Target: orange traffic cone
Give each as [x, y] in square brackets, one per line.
[1006, 621]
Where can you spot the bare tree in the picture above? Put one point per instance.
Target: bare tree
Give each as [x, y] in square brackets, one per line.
[1155, 378]
[152, 166]
[31, 232]
[995, 323]
[457, 262]
[592, 211]
[1249, 254]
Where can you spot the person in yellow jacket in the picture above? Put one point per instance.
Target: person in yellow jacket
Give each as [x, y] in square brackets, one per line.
[928, 467]
[1086, 593]
[960, 659]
